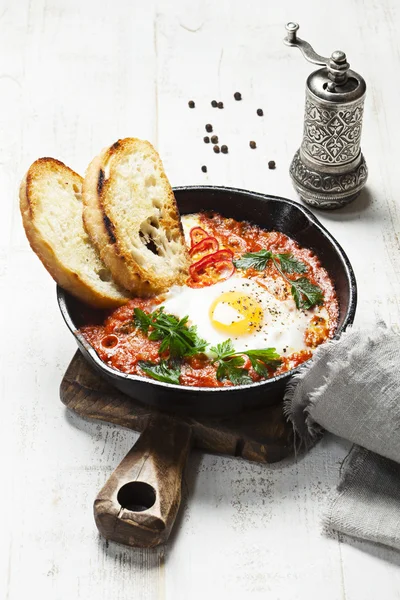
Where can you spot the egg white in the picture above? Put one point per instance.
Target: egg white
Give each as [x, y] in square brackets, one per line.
[283, 326]
[188, 222]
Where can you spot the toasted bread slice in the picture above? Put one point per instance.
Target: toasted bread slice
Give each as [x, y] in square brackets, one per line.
[51, 207]
[131, 215]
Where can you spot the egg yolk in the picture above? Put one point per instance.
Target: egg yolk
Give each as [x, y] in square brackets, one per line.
[236, 314]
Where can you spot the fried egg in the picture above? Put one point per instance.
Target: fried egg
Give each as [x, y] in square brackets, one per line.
[244, 311]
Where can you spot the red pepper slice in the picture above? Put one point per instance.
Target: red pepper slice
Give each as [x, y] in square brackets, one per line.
[212, 273]
[212, 268]
[204, 262]
[225, 268]
[197, 234]
[208, 245]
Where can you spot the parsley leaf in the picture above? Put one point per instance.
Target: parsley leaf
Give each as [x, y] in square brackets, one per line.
[259, 260]
[230, 363]
[230, 369]
[305, 293]
[259, 367]
[290, 264]
[142, 320]
[161, 371]
[179, 340]
[269, 356]
[176, 337]
[256, 260]
[223, 350]
[260, 359]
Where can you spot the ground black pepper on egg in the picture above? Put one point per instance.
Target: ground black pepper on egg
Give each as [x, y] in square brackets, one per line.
[191, 104]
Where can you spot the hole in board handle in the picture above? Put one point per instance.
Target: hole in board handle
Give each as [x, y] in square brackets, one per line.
[136, 496]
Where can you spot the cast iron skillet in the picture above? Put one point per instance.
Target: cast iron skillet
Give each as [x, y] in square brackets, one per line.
[270, 213]
[138, 504]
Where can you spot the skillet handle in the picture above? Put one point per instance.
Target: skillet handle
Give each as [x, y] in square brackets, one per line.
[138, 504]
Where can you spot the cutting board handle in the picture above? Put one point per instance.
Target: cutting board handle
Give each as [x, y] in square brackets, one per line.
[138, 504]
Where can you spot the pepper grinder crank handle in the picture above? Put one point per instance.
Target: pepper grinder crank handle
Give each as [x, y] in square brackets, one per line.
[329, 169]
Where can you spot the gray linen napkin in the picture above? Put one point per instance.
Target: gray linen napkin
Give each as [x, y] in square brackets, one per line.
[352, 389]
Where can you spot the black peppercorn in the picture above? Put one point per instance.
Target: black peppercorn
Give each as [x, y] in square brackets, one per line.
[204, 169]
[237, 96]
[191, 104]
[214, 103]
[271, 164]
[260, 112]
[224, 149]
[216, 149]
[214, 139]
[220, 105]
[209, 128]
[206, 139]
[252, 144]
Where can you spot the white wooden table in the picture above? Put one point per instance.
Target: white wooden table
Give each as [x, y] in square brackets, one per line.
[75, 76]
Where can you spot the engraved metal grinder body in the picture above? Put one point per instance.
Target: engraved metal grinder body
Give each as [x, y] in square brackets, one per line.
[329, 169]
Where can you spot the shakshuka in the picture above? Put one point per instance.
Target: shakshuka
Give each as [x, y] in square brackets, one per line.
[255, 305]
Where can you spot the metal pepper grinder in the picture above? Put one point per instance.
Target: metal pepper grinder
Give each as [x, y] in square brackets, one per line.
[329, 169]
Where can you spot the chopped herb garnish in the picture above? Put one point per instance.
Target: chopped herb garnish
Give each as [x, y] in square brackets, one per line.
[176, 337]
[255, 260]
[232, 369]
[305, 294]
[290, 264]
[179, 341]
[142, 320]
[230, 363]
[223, 350]
[261, 358]
[168, 373]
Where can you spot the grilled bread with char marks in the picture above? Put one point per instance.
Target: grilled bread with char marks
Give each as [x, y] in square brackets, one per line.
[132, 218]
[51, 207]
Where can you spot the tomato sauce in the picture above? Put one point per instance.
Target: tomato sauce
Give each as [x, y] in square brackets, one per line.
[121, 345]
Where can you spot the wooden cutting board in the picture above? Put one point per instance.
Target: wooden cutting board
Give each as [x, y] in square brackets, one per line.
[138, 504]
